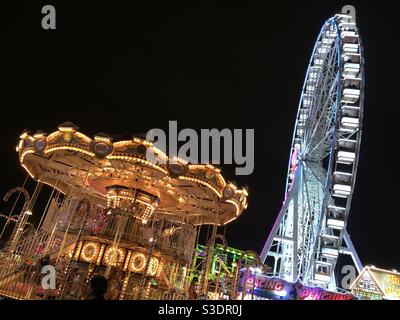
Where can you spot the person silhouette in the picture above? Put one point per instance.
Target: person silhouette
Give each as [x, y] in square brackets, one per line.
[97, 288]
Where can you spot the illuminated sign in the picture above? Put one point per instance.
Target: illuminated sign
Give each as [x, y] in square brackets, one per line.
[388, 282]
[307, 293]
[277, 288]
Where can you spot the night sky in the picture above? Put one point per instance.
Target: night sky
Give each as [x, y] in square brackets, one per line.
[124, 70]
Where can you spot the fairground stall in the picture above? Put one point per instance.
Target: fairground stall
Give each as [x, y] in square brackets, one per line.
[254, 285]
[377, 284]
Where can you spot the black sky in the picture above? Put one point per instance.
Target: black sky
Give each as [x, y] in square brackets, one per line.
[124, 70]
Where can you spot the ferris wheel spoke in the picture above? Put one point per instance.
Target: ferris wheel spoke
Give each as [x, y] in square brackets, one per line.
[321, 124]
[317, 176]
[327, 136]
[311, 193]
[326, 113]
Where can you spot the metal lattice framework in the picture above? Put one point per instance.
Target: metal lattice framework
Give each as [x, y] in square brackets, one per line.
[307, 237]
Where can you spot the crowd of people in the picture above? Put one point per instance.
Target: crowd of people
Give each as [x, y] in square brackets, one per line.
[73, 283]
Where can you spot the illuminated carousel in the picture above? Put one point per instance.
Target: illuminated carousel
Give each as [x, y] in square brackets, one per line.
[111, 212]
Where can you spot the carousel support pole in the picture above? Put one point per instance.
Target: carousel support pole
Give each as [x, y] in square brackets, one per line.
[125, 285]
[156, 232]
[175, 273]
[122, 219]
[75, 250]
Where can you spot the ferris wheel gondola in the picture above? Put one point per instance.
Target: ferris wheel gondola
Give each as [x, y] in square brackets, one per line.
[310, 231]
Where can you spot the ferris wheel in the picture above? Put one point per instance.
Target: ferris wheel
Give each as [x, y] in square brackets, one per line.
[310, 233]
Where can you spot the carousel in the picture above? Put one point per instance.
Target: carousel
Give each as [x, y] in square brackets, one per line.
[112, 212]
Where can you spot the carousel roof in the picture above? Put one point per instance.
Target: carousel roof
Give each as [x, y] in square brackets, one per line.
[68, 159]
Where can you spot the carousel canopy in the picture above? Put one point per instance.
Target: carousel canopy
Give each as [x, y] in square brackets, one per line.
[68, 159]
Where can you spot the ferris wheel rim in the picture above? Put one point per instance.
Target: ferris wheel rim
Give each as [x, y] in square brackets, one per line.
[335, 23]
[330, 21]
